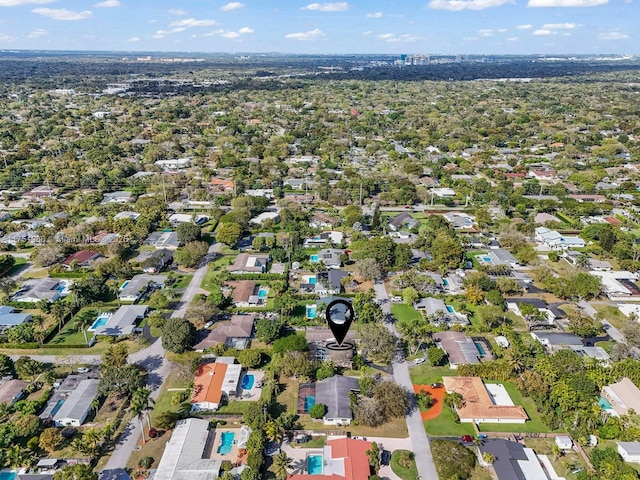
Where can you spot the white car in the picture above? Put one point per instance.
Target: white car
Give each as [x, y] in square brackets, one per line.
[418, 361]
[83, 370]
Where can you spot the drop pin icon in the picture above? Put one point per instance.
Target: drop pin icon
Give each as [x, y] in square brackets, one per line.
[339, 315]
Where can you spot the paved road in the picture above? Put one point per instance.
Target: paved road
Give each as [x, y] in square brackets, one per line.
[419, 440]
[153, 360]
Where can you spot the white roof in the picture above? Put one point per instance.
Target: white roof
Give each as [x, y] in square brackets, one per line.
[78, 403]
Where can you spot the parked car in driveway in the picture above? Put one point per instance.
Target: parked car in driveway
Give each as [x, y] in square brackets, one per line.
[467, 439]
[385, 457]
[418, 361]
[437, 385]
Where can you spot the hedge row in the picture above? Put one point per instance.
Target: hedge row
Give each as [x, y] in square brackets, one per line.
[257, 276]
[21, 346]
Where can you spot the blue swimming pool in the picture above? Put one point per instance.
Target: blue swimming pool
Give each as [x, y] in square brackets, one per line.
[8, 475]
[124, 285]
[263, 292]
[61, 287]
[309, 402]
[313, 280]
[55, 409]
[101, 321]
[247, 382]
[450, 309]
[314, 258]
[445, 282]
[226, 443]
[487, 260]
[312, 311]
[480, 348]
[314, 464]
[604, 403]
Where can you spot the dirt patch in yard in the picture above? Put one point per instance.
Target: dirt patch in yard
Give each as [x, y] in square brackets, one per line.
[438, 396]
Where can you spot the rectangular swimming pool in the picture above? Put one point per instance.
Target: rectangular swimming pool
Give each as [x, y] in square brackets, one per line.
[226, 443]
[604, 403]
[55, 409]
[101, 321]
[480, 348]
[309, 402]
[8, 475]
[312, 311]
[314, 464]
[314, 258]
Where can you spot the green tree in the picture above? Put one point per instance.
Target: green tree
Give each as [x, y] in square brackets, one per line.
[377, 343]
[79, 471]
[115, 356]
[27, 368]
[447, 251]
[178, 335]
[6, 365]
[437, 356]
[50, 439]
[294, 342]
[267, 330]
[191, 254]
[188, 232]
[318, 410]
[410, 295]
[229, 233]
[281, 465]
[249, 358]
[366, 308]
[158, 300]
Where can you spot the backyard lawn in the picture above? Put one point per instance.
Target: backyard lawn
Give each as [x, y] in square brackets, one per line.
[401, 471]
[402, 311]
[71, 334]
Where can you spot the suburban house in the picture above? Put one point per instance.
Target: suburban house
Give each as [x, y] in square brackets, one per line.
[329, 256]
[401, 221]
[333, 392]
[154, 262]
[83, 258]
[163, 240]
[36, 289]
[550, 313]
[123, 321]
[343, 459]
[629, 451]
[619, 285]
[327, 283]
[132, 290]
[438, 311]
[321, 220]
[9, 318]
[514, 461]
[236, 333]
[41, 191]
[174, 164]
[623, 396]
[324, 238]
[243, 293]
[127, 215]
[185, 455]
[214, 382]
[178, 218]
[264, 216]
[221, 185]
[484, 403]
[249, 263]
[11, 390]
[459, 348]
[499, 256]
[459, 220]
[553, 240]
[76, 406]
[297, 184]
[116, 197]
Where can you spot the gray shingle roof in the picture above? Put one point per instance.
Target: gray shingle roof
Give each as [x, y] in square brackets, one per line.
[334, 393]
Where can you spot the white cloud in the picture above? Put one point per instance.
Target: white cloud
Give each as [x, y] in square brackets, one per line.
[231, 6]
[164, 33]
[15, 3]
[559, 26]
[512, 39]
[393, 38]
[37, 33]
[62, 13]
[108, 4]
[327, 7]
[457, 5]
[368, 32]
[239, 33]
[485, 32]
[177, 11]
[134, 39]
[374, 15]
[543, 32]
[502, 30]
[6, 38]
[565, 3]
[525, 26]
[306, 36]
[612, 36]
[192, 22]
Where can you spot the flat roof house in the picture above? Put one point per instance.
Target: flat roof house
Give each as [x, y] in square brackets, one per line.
[236, 332]
[499, 256]
[81, 258]
[163, 240]
[329, 282]
[553, 240]
[215, 381]
[459, 348]
[11, 390]
[623, 396]
[481, 407]
[36, 289]
[123, 321]
[133, 289]
[249, 263]
[438, 310]
[184, 455]
[330, 257]
[334, 393]
[77, 405]
[9, 319]
[126, 215]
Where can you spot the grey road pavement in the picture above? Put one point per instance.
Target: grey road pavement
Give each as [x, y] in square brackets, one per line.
[419, 440]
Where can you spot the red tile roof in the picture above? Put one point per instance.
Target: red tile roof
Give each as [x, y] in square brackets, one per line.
[81, 257]
[353, 453]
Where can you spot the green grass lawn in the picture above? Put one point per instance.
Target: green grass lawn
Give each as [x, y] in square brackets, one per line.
[163, 404]
[425, 374]
[70, 334]
[445, 425]
[235, 407]
[402, 311]
[19, 263]
[613, 315]
[403, 472]
[182, 281]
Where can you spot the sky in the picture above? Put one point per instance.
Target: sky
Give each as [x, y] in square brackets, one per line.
[304, 26]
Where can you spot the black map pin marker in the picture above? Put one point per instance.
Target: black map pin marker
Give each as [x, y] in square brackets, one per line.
[339, 315]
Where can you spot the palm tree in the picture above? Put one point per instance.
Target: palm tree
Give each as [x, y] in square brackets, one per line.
[81, 324]
[59, 312]
[140, 408]
[373, 454]
[281, 465]
[274, 431]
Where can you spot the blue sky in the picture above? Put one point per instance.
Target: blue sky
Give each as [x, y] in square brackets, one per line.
[295, 26]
